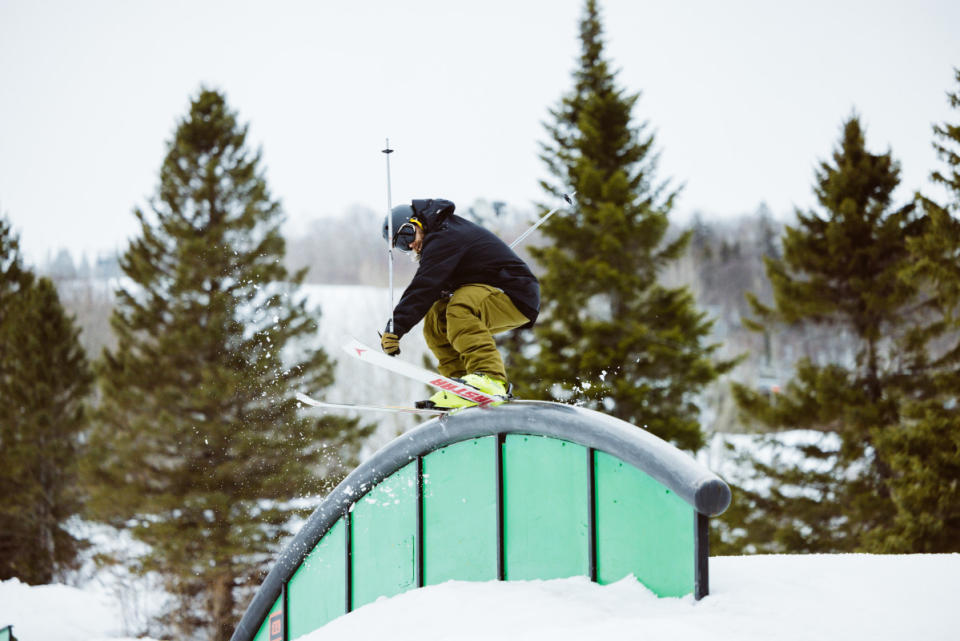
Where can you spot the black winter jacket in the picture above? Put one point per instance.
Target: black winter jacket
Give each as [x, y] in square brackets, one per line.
[457, 252]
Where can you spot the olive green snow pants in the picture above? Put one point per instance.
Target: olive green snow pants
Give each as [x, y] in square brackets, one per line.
[459, 330]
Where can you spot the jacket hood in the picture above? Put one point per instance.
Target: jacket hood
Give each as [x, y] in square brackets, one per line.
[432, 212]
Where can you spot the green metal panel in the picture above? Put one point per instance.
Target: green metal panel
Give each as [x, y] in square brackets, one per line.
[460, 512]
[642, 528]
[5, 634]
[384, 525]
[545, 508]
[316, 593]
[264, 633]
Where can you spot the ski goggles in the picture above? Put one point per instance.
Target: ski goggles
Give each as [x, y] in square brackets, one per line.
[405, 236]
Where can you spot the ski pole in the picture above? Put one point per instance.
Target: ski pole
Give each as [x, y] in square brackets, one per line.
[543, 219]
[387, 151]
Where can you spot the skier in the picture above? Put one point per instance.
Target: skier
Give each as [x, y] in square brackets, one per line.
[469, 286]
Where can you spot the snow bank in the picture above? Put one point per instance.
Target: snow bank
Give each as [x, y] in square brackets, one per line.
[58, 613]
[764, 597]
[769, 598]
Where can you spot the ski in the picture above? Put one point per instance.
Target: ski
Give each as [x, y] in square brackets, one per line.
[375, 357]
[306, 400]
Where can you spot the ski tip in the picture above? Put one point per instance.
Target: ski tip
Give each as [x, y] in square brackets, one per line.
[355, 347]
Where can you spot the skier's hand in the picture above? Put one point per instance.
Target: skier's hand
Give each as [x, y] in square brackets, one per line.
[390, 344]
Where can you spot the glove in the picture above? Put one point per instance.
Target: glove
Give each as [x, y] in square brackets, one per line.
[390, 343]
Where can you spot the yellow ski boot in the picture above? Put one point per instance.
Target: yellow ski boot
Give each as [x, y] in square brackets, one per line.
[447, 401]
[486, 383]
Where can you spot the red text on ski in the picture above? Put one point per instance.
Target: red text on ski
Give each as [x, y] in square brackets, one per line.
[463, 392]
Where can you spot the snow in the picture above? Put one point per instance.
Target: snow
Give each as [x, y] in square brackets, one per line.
[58, 613]
[759, 597]
[774, 598]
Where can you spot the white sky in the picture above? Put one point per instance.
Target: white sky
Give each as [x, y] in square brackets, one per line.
[745, 98]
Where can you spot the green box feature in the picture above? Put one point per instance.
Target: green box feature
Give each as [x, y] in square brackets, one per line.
[264, 633]
[545, 508]
[316, 594]
[460, 512]
[383, 531]
[643, 529]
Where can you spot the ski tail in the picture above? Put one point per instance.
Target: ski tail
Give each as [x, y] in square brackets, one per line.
[395, 409]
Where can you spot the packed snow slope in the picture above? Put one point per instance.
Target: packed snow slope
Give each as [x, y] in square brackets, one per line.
[769, 598]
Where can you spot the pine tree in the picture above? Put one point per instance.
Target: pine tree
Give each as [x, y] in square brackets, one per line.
[841, 268]
[44, 381]
[610, 336]
[13, 276]
[924, 450]
[199, 446]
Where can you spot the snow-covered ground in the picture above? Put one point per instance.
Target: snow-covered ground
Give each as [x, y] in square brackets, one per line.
[58, 613]
[782, 598]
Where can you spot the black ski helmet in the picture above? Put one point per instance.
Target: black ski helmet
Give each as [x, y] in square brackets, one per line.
[401, 214]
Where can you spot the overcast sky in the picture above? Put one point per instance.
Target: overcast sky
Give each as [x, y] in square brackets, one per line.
[745, 98]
